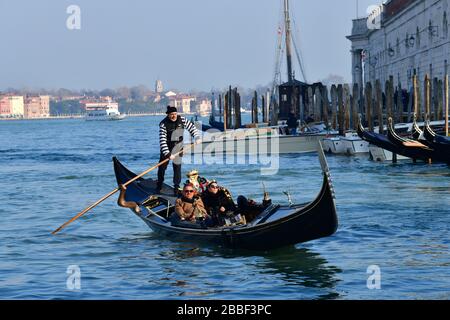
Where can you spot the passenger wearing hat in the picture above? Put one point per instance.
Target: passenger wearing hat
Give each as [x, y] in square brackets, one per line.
[199, 183]
[171, 131]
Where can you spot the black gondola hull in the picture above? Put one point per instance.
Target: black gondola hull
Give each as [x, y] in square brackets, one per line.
[289, 225]
[384, 142]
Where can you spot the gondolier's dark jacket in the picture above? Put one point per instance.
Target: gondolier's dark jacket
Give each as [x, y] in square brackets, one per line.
[171, 133]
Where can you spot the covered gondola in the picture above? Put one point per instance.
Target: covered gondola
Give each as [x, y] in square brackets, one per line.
[276, 226]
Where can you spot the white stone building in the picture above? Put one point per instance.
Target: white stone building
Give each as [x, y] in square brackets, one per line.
[402, 38]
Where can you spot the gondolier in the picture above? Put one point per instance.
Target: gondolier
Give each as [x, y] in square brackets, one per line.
[171, 131]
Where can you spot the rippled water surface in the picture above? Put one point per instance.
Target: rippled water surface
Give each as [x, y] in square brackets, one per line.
[394, 216]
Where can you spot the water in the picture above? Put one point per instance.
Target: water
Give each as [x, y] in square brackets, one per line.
[393, 216]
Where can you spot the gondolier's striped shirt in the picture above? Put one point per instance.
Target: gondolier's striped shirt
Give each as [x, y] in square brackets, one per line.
[167, 128]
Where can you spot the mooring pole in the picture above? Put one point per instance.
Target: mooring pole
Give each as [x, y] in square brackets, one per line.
[446, 104]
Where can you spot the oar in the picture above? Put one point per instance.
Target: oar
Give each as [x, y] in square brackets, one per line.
[117, 189]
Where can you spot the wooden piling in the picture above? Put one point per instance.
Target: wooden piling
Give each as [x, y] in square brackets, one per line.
[237, 109]
[325, 106]
[334, 102]
[399, 102]
[355, 106]
[446, 103]
[427, 94]
[440, 100]
[310, 105]
[225, 113]
[416, 97]
[368, 97]
[340, 94]
[379, 106]
[410, 107]
[347, 107]
[274, 116]
[255, 108]
[266, 107]
[435, 99]
[389, 99]
[317, 104]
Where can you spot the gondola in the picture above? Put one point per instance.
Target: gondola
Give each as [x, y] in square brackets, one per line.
[417, 133]
[277, 226]
[383, 141]
[440, 144]
[376, 139]
[415, 149]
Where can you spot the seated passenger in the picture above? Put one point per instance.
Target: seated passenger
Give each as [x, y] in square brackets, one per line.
[250, 209]
[198, 182]
[127, 204]
[190, 208]
[219, 203]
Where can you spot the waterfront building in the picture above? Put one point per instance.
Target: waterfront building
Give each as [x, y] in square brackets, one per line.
[203, 108]
[5, 106]
[170, 94]
[37, 107]
[399, 39]
[17, 106]
[184, 103]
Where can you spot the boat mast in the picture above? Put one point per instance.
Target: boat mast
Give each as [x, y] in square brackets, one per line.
[288, 40]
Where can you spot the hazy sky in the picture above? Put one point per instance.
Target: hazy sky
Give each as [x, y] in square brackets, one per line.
[195, 44]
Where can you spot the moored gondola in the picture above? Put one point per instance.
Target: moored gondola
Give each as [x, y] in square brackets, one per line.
[376, 139]
[276, 226]
[414, 149]
[440, 143]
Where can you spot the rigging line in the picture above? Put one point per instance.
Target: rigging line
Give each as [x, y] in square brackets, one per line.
[279, 50]
[302, 70]
[297, 51]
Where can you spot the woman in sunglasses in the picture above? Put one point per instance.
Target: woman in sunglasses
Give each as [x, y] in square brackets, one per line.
[190, 207]
[218, 202]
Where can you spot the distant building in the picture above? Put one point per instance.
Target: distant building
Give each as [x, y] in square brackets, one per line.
[37, 107]
[11, 106]
[170, 94]
[184, 103]
[159, 86]
[203, 108]
[17, 106]
[401, 38]
[5, 106]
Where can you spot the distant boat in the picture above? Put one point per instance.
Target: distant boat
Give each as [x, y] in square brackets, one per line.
[264, 140]
[350, 144]
[103, 114]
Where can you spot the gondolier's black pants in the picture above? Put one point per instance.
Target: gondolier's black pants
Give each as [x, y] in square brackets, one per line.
[176, 164]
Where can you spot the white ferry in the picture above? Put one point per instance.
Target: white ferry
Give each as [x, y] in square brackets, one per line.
[102, 113]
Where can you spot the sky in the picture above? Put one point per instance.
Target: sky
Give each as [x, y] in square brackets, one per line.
[189, 45]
